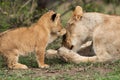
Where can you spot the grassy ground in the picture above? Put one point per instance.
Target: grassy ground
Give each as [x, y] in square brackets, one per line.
[60, 70]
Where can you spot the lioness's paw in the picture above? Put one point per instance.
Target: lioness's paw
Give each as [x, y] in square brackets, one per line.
[44, 66]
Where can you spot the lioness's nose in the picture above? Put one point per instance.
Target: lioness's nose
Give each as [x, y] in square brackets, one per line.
[71, 47]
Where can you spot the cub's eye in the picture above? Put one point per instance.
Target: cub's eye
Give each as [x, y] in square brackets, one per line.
[81, 17]
[59, 30]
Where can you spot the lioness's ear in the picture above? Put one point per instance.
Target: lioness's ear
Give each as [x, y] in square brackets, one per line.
[53, 17]
[78, 13]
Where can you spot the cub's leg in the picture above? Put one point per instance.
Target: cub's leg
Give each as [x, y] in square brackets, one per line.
[40, 55]
[12, 60]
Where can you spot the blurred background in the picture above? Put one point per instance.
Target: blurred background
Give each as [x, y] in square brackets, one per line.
[16, 13]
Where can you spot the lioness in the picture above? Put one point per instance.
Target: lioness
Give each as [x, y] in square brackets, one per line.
[20, 41]
[102, 29]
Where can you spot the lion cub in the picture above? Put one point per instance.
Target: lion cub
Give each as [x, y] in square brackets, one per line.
[20, 41]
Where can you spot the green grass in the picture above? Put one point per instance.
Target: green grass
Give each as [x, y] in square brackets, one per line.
[60, 70]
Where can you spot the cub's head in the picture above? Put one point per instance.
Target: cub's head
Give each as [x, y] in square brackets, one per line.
[52, 21]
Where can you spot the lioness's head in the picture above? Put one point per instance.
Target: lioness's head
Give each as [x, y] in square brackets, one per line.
[69, 39]
[52, 21]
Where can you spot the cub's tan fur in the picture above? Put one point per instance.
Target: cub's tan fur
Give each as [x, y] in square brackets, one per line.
[102, 29]
[20, 41]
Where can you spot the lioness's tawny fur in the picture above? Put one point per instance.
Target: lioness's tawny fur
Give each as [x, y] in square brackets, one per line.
[20, 41]
[102, 29]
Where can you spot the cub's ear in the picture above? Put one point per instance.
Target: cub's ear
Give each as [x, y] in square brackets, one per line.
[53, 17]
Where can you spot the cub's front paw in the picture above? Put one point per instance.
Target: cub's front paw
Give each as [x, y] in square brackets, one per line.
[44, 66]
[18, 66]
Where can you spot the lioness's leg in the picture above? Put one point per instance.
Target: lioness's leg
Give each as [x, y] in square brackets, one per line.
[12, 61]
[102, 55]
[71, 56]
[40, 54]
[100, 51]
[77, 47]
